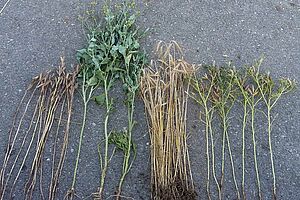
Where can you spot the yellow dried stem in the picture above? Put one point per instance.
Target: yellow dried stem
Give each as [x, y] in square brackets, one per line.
[165, 97]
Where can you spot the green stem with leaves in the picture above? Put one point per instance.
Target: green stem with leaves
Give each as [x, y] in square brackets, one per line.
[87, 92]
[106, 135]
[245, 103]
[126, 164]
[270, 93]
[223, 98]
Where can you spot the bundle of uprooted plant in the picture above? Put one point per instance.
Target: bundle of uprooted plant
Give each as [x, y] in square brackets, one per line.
[164, 90]
[49, 94]
[216, 92]
[113, 53]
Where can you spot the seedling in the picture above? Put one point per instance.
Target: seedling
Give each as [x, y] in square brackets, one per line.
[271, 92]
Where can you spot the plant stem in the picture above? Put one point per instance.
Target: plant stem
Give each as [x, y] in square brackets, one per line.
[254, 148]
[11, 142]
[80, 143]
[213, 156]
[104, 168]
[271, 151]
[126, 165]
[225, 126]
[207, 153]
[223, 155]
[86, 96]
[243, 147]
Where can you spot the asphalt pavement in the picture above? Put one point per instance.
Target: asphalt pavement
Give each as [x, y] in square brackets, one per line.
[34, 34]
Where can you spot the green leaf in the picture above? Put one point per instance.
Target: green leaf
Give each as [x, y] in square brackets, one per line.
[129, 41]
[92, 81]
[114, 48]
[92, 46]
[96, 62]
[100, 99]
[136, 45]
[99, 74]
[122, 50]
[105, 61]
[93, 40]
[81, 51]
[132, 19]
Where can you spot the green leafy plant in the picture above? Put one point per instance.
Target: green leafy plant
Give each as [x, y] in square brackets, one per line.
[88, 79]
[99, 70]
[270, 92]
[132, 62]
[114, 53]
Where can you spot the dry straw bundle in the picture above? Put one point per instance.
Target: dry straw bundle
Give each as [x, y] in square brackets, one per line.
[165, 97]
[48, 95]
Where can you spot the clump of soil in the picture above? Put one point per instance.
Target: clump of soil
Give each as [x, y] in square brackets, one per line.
[175, 191]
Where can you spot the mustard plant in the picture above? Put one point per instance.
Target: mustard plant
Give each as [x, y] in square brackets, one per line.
[114, 52]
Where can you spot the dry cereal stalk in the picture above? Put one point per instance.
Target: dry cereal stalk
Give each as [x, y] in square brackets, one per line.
[164, 92]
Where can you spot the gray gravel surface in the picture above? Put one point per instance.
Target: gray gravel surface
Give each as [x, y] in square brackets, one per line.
[34, 34]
